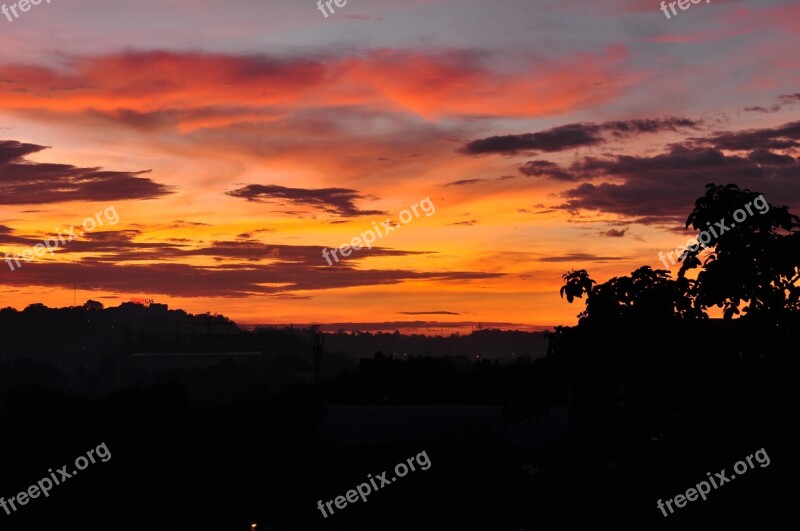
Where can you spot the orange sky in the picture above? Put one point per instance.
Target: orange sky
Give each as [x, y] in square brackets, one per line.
[236, 144]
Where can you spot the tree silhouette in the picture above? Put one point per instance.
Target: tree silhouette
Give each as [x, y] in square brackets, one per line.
[752, 256]
[92, 306]
[750, 253]
[645, 294]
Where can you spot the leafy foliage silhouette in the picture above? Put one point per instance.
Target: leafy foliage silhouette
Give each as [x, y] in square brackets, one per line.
[755, 263]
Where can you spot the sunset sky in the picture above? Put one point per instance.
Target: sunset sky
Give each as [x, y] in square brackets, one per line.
[237, 139]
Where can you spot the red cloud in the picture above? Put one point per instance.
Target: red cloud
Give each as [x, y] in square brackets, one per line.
[191, 90]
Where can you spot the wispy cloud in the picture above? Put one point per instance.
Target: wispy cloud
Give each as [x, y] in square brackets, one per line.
[575, 135]
[339, 201]
[25, 182]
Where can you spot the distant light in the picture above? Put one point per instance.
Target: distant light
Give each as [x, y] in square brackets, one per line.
[253, 526]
